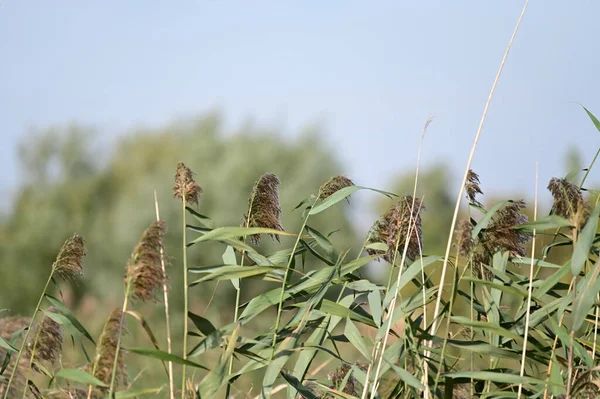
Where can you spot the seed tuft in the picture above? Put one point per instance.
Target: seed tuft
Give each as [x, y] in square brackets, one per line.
[185, 186]
[263, 206]
[69, 262]
[392, 229]
[144, 267]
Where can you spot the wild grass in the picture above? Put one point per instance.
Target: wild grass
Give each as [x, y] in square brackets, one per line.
[495, 316]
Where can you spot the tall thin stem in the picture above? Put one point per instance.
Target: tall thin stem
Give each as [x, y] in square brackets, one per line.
[185, 294]
[530, 290]
[464, 180]
[24, 343]
[285, 276]
[411, 226]
[166, 297]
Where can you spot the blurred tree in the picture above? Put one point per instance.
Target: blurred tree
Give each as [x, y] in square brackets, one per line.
[68, 188]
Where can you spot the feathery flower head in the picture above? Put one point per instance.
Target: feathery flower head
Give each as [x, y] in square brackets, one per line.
[568, 199]
[392, 229]
[49, 341]
[185, 186]
[499, 235]
[353, 386]
[464, 237]
[144, 267]
[333, 185]
[263, 209]
[472, 187]
[107, 349]
[69, 262]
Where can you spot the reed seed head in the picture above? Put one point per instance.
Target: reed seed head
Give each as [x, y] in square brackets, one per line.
[185, 187]
[107, 349]
[568, 200]
[499, 235]
[49, 341]
[263, 206]
[144, 269]
[352, 387]
[69, 262]
[464, 238]
[392, 229]
[333, 185]
[472, 187]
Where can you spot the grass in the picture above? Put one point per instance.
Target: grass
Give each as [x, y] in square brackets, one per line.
[473, 324]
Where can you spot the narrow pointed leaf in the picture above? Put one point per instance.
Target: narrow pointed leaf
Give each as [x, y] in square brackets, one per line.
[161, 355]
[584, 243]
[79, 376]
[341, 195]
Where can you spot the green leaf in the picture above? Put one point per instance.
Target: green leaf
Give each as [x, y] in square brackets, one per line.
[587, 291]
[585, 242]
[324, 243]
[536, 262]
[374, 299]
[545, 223]
[378, 246]
[214, 380]
[233, 272]
[465, 321]
[223, 233]
[405, 376]
[336, 309]
[281, 357]
[202, 324]
[414, 269]
[160, 355]
[229, 259]
[137, 392]
[494, 376]
[313, 280]
[6, 345]
[306, 356]
[148, 330]
[303, 392]
[65, 311]
[593, 118]
[212, 340]
[341, 195]
[80, 376]
[356, 339]
[205, 221]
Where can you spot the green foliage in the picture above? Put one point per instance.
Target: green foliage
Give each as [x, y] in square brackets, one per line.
[310, 325]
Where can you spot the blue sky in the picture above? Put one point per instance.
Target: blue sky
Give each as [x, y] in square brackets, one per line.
[370, 72]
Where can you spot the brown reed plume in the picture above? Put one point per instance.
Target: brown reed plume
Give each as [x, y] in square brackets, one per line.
[48, 342]
[263, 206]
[568, 201]
[106, 351]
[472, 187]
[499, 235]
[465, 240]
[333, 185]
[185, 186]
[69, 262]
[144, 269]
[392, 229]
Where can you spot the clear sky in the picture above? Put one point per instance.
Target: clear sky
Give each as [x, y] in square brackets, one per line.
[370, 71]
